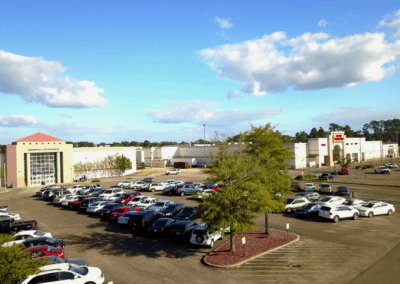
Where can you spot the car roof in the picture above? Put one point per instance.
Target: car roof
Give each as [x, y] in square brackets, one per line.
[184, 222]
[37, 248]
[58, 266]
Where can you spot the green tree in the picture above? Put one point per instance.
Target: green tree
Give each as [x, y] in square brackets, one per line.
[301, 137]
[313, 133]
[348, 132]
[15, 263]
[146, 143]
[321, 132]
[335, 127]
[122, 163]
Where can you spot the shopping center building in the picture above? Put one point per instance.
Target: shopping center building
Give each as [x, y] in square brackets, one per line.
[42, 159]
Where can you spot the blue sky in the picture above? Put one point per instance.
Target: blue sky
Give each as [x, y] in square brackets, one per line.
[106, 71]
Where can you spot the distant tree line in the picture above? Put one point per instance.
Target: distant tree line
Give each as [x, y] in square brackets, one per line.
[145, 143]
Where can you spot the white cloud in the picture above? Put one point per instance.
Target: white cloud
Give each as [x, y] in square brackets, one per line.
[224, 23]
[18, 120]
[393, 22]
[198, 112]
[3, 132]
[315, 61]
[235, 95]
[36, 80]
[65, 114]
[322, 23]
[355, 117]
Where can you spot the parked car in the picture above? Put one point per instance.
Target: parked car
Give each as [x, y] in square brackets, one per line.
[76, 203]
[95, 207]
[188, 213]
[148, 180]
[312, 196]
[115, 198]
[53, 186]
[110, 193]
[65, 272]
[343, 171]
[326, 176]
[161, 227]
[122, 211]
[55, 259]
[126, 197]
[169, 181]
[296, 185]
[204, 192]
[325, 188]
[142, 219]
[125, 183]
[331, 201]
[58, 200]
[337, 213]
[308, 210]
[200, 236]
[187, 189]
[208, 185]
[391, 166]
[26, 235]
[139, 185]
[40, 192]
[170, 189]
[343, 191]
[8, 225]
[353, 203]
[374, 208]
[68, 199]
[107, 210]
[41, 251]
[50, 193]
[293, 203]
[173, 172]
[172, 209]
[382, 170]
[159, 205]
[309, 187]
[4, 208]
[77, 188]
[85, 203]
[42, 241]
[10, 215]
[182, 230]
[157, 187]
[136, 200]
[144, 203]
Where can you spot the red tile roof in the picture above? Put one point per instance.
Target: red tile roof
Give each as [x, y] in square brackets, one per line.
[38, 137]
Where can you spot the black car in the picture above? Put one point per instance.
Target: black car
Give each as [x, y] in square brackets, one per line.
[142, 219]
[161, 227]
[55, 260]
[326, 176]
[49, 193]
[108, 209]
[172, 209]
[88, 201]
[44, 241]
[97, 192]
[148, 180]
[343, 190]
[188, 213]
[169, 190]
[182, 230]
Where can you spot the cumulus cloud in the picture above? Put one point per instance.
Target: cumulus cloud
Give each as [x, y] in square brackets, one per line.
[322, 23]
[17, 120]
[3, 132]
[65, 114]
[37, 80]
[393, 22]
[356, 117]
[199, 112]
[235, 95]
[314, 61]
[224, 23]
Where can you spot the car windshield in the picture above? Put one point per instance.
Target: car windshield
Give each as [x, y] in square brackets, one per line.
[78, 269]
[308, 206]
[96, 204]
[40, 234]
[348, 202]
[69, 197]
[325, 185]
[325, 199]
[124, 195]
[369, 205]
[295, 183]
[289, 200]
[107, 191]
[137, 199]
[146, 201]
[308, 184]
[187, 210]
[343, 188]
[51, 249]
[160, 222]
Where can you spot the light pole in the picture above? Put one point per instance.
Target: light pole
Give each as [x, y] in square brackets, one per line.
[360, 152]
[204, 145]
[86, 168]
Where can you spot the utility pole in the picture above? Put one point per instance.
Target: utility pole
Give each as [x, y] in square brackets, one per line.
[5, 177]
[204, 148]
[360, 152]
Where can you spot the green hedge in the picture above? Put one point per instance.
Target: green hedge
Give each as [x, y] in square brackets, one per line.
[305, 177]
[365, 167]
[96, 180]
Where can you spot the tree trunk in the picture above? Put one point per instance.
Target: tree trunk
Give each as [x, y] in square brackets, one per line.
[266, 224]
[232, 241]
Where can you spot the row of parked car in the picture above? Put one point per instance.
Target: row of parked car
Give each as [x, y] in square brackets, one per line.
[160, 218]
[323, 188]
[42, 245]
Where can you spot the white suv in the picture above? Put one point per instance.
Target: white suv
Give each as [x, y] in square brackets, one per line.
[202, 238]
[66, 273]
[173, 172]
[157, 186]
[337, 213]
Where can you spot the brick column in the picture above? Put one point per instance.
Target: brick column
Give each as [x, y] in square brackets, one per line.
[28, 169]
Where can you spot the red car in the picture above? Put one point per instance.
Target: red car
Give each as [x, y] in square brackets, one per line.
[122, 211]
[216, 188]
[77, 203]
[126, 197]
[344, 171]
[45, 251]
[295, 185]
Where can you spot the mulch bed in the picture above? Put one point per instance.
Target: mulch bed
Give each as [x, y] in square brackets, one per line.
[256, 243]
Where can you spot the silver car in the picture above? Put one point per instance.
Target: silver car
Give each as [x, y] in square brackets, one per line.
[93, 208]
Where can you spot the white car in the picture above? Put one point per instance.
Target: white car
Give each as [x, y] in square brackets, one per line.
[373, 208]
[309, 187]
[168, 182]
[139, 185]
[136, 200]
[60, 199]
[173, 172]
[26, 235]
[293, 203]
[77, 187]
[205, 192]
[10, 215]
[391, 166]
[353, 203]
[157, 187]
[115, 197]
[200, 237]
[331, 201]
[143, 204]
[337, 213]
[66, 273]
[68, 199]
[110, 193]
[93, 208]
[125, 183]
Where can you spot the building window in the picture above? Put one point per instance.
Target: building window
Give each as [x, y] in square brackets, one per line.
[23, 143]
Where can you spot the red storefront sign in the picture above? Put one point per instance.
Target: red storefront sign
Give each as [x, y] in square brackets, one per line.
[338, 137]
[323, 144]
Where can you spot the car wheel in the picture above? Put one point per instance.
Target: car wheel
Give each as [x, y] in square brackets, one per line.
[183, 193]
[336, 219]
[90, 283]
[371, 214]
[211, 243]
[390, 212]
[355, 216]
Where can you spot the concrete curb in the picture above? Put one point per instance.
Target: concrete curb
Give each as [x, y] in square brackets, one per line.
[244, 261]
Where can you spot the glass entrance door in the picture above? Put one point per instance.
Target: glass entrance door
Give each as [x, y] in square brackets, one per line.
[43, 168]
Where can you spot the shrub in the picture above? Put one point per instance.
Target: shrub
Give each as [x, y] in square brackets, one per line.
[358, 167]
[299, 177]
[370, 166]
[96, 180]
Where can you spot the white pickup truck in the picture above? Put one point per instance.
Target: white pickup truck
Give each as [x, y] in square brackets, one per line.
[382, 170]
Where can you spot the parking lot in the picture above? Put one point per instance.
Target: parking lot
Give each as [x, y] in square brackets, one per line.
[326, 252]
